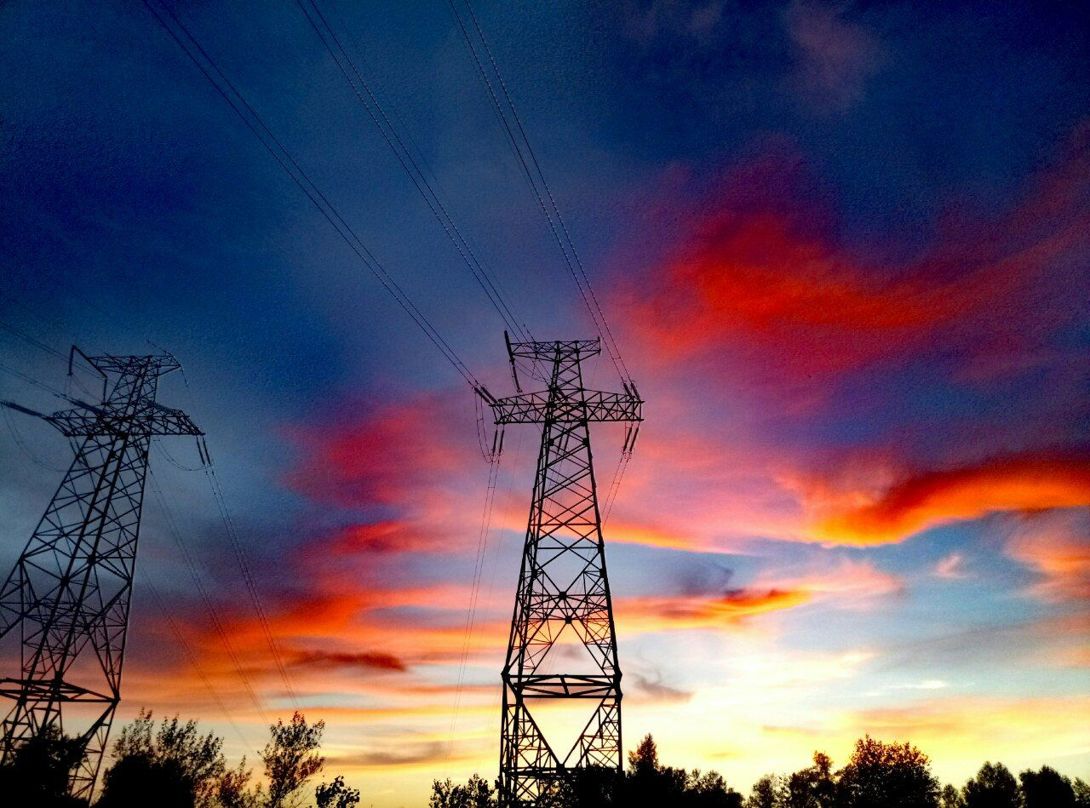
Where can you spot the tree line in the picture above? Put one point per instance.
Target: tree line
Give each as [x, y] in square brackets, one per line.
[175, 766]
[172, 765]
[877, 775]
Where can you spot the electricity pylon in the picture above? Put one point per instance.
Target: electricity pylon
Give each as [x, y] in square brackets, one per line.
[68, 595]
[562, 644]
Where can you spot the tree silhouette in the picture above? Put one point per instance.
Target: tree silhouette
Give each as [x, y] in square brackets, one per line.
[993, 787]
[291, 757]
[644, 759]
[813, 787]
[950, 797]
[881, 775]
[1046, 788]
[710, 790]
[174, 767]
[233, 789]
[648, 782]
[1082, 793]
[336, 794]
[770, 791]
[476, 793]
[38, 774]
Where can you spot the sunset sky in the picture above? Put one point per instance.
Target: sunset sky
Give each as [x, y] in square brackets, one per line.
[843, 248]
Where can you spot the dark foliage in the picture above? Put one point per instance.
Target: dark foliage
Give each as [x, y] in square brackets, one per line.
[38, 774]
[175, 764]
[1046, 788]
[993, 787]
[291, 757]
[881, 775]
[336, 794]
[813, 787]
[131, 781]
[477, 793]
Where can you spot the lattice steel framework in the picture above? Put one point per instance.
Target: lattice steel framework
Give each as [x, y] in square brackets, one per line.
[67, 599]
[562, 643]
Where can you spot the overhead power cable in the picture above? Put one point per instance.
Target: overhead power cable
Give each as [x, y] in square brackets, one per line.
[41, 346]
[370, 102]
[191, 658]
[29, 453]
[191, 46]
[475, 588]
[247, 575]
[515, 131]
[209, 606]
[53, 391]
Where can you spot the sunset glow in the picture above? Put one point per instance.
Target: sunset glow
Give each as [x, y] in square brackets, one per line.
[844, 249]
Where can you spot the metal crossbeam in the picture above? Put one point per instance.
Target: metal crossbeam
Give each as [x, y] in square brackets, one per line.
[67, 599]
[563, 598]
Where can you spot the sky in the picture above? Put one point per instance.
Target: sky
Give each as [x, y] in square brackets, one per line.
[842, 247]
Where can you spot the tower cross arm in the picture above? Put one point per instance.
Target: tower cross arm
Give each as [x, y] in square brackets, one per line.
[154, 419]
[587, 405]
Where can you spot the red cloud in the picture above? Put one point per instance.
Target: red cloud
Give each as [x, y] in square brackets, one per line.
[392, 454]
[1027, 482]
[375, 660]
[762, 286]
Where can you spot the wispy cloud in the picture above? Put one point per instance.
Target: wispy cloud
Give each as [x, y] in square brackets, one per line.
[835, 57]
[951, 567]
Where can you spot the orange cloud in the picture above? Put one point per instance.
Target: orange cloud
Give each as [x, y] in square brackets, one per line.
[849, 584]
[645, 614]
[1025, 482]
[1056, 546]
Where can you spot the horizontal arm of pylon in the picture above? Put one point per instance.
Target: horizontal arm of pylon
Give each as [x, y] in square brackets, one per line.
[154, 420]
[548, 351]
[36, 689]
[590, 405]
[566, 686]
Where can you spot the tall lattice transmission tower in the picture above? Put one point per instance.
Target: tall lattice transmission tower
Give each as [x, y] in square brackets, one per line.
[562, 644]
[67, 599]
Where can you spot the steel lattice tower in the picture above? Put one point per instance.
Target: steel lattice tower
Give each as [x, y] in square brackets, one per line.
[563, 598]
[67, 598]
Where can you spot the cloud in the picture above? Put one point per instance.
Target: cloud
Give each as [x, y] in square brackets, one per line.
[1020, 482]
[951, 567]
[760, 289]
[368, 660]
[1056, 546]
[391, 453]
[407, 755]
[651, 613]
[834, 57]
[846, 585]
[650, 689]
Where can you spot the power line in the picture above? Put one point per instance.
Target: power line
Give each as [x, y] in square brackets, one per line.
[520, 144]
[209, 606]
[191, 658]
[53, 391]
[247, 575]
[253, 121]
[475, 587]
[23, 447]
[374, 108]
